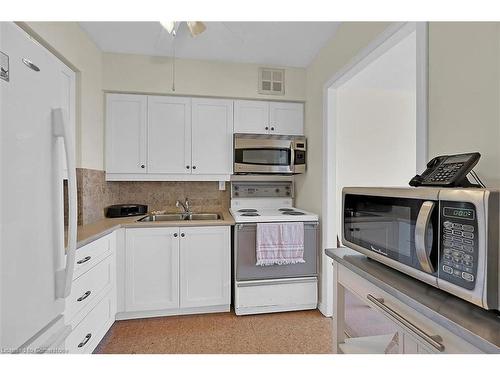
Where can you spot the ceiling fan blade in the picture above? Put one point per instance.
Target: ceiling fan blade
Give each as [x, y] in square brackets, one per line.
[196, 27]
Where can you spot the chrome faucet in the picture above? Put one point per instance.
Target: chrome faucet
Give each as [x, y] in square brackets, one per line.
[185, 206]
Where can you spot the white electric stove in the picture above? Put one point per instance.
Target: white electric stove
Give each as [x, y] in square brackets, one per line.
[264, 289]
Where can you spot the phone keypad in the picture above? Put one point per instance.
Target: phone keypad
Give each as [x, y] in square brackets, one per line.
[446, 172]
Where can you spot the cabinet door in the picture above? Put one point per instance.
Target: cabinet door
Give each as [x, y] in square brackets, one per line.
[126, 133]
[151, 269]
[205, 274]
[286, 118]
[169, 134]
[251, 116]
[212, 136]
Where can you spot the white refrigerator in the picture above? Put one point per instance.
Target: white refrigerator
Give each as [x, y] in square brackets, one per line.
[37, 144]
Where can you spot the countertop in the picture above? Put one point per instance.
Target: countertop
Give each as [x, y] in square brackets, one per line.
[475, 325]
[90, 232]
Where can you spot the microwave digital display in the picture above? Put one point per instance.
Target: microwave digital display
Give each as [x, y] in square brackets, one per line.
[462, 213]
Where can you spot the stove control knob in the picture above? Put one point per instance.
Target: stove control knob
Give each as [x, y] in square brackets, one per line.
[277, 190]
[287, 193]
[236, 193]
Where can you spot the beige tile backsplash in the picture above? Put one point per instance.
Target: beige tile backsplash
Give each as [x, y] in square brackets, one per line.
[95, 193]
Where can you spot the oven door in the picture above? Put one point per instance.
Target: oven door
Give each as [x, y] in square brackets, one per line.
[245, 258]
[256, 155]
[398, 231]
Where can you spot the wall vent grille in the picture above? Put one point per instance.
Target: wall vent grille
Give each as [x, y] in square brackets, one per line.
[271, 81]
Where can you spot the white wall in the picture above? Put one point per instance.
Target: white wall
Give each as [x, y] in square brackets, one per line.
[376, 122]
[148, 74]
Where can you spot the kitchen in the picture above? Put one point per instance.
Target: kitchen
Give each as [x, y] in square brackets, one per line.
[168, 227]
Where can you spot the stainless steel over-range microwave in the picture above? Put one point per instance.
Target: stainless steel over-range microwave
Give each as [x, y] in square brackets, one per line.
[446, 237]
[269, 154]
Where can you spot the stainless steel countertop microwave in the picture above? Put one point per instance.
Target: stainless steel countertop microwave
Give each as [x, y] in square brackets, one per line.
[269, 154]
[446, 237]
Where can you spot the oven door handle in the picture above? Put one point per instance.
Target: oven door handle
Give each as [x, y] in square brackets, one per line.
[423, 219]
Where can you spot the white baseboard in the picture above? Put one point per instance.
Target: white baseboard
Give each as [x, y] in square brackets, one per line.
[124, 315]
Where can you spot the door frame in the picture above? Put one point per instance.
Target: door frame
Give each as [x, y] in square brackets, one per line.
[386, 40]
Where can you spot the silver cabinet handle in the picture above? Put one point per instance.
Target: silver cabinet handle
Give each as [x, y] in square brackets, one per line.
[433, 340]
[175, 234]
[84, 260]
[85, 295]
[183, 235]
[85, 340]
[423, 218]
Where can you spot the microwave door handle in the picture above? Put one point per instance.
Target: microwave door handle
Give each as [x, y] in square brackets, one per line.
[292, 159]
[423, 219]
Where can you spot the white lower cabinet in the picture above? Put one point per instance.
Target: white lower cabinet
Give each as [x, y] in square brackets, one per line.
[205, 267]
[152, 269]
[91, 306]
[176, 270]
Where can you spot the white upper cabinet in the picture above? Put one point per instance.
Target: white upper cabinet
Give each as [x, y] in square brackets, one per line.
[251, 116]
[126, 133]
[286, 118]
[169, 135]
[151, 268]
[212, 136]
[260, 117]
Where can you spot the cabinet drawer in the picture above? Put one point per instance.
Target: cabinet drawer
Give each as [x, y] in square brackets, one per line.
[89, 255]
[93, 327]
[88, 286]
[363, 289]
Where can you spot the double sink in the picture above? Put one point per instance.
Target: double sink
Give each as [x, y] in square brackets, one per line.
[180, 217]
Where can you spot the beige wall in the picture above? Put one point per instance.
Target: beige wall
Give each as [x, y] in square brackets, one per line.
[464, 98]
[464, 95]
[148, 74]
[71, 44]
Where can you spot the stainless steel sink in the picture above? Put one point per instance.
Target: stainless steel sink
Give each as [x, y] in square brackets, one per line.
[163, 217]
[180, 217]
[204, 217]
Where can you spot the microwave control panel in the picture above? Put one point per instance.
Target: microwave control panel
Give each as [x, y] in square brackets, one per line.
[459, 243]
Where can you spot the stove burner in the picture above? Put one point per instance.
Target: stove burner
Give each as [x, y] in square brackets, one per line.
[250, 214]
[285, 209]
[293, 213]
[247, 210]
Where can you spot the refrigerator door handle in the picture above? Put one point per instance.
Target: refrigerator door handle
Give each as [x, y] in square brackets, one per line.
[64, 276]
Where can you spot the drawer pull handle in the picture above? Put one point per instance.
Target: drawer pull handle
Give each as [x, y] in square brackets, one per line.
[85, 340]
[87, 293]
[84, 260]
[433, 340]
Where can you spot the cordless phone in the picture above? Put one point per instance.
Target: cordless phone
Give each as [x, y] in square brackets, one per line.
[448, 171]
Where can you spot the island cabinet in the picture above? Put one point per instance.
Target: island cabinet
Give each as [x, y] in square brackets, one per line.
[378, 310]
[176, 270]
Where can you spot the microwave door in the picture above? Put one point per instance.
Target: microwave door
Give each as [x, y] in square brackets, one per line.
[263, 160]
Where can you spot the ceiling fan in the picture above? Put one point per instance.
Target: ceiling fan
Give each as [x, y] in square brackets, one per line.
[195, 27]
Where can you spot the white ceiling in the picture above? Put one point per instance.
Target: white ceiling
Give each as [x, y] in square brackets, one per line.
[270, 43]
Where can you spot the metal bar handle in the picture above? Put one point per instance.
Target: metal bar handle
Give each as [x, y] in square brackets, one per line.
[85, 340]
[423, 219]
[433, 340]
[85, 295]
[84, 260]
[60, 128]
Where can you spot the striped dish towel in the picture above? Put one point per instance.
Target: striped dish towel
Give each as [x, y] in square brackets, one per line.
[280, 243]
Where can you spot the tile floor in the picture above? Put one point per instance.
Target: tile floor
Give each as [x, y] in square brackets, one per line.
[290, 332]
